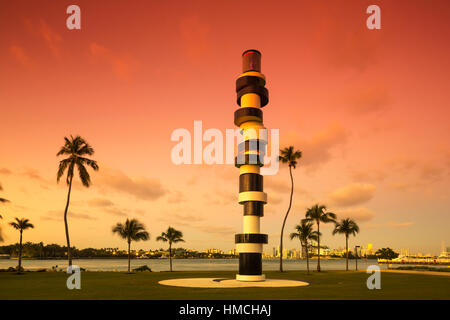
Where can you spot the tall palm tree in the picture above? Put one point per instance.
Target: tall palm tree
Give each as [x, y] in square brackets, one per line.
[172, 236]
[347, 227]
[289, 156]
[131, 230]
[305, 233]
[2, 200]
[318, 213]
[21, 225]
[76, 149]
[1, 236]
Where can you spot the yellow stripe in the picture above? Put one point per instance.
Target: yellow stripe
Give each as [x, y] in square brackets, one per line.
[253, 73]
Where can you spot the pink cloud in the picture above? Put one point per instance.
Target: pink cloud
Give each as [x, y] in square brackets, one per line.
[121, 67]
[352, 194]
[20, 55]
[358, 214]
[51, 38]
[317, 150]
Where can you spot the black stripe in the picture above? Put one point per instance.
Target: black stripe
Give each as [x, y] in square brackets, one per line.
[253, 208]
[250, 182]
[252, 145]
[250, 238]
[249, 80]
[250, 263]
[242, 115]
[248, 159]
[261, 91]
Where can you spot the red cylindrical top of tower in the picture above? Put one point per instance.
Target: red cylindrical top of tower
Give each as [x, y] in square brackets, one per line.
[251, 60]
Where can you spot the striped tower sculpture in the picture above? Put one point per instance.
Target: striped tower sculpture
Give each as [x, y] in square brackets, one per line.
[251, 97]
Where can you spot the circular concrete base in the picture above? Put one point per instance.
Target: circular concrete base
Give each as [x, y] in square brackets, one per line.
[230, 283]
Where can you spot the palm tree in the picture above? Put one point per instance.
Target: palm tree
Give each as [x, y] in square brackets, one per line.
[317, 213]
[304, 234]
[21, 225]
[172, 236]
[2, 200]
[347, 227]
[1, 236]
[289, 156]
[131, 230]
[76, 148]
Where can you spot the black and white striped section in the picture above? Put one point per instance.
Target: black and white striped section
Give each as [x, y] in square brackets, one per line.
[251, 97]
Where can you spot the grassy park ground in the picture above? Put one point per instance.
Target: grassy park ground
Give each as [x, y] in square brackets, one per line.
[119, 285]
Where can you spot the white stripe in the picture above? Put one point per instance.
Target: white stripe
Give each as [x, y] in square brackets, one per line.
[249, 247]
[251, 224]
[253, 196]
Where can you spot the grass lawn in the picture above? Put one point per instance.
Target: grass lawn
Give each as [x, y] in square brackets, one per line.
[324, 285]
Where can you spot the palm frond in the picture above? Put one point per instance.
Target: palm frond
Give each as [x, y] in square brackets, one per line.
[84, 175]
[131, 230]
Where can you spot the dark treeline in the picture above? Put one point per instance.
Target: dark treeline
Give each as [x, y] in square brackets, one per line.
[49, 251]
[55, 251]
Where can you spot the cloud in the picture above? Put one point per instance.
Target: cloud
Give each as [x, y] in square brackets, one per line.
[317, 150]
[33, 174]
[196, 222]
[19, 54]
[56, 215]
[398, 225]
[117, 212]
[368, 100]
[222, 197]
[99, 202]
[195, 38]
[122, 67]
[431, 172]
[140, 212]
[274, 199]
[368, 175]
[215, 229]
[402, 186]
[141, 188]
[391, 225]
[51, 38]
[5, 171]
[352, 194]
[176, 197]
[277, 184]
[181, 217]
[358, 214]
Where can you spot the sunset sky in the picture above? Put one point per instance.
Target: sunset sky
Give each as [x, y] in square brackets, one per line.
[369, 109]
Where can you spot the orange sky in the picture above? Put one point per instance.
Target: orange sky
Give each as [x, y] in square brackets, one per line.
[368, 108]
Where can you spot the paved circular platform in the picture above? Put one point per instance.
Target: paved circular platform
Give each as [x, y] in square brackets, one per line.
[230, 283]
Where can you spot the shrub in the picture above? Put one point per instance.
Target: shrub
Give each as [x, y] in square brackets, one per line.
[143, 268]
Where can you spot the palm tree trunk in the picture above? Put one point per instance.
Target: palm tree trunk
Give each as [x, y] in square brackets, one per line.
[318, 246]
[170, 256]
[284, 221]
[346, 251]
[307, 258]
[129, 258]
[19, 270]
[69, 255]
